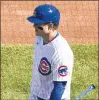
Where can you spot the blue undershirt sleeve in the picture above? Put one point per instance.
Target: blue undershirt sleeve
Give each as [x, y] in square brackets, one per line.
[58, 90]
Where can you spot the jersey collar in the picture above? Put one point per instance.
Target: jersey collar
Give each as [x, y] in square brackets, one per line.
[52, 39]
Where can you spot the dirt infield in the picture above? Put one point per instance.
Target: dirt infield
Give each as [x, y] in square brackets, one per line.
[78, 24]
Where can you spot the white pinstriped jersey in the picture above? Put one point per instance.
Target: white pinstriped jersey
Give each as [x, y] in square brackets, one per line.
[52, 62]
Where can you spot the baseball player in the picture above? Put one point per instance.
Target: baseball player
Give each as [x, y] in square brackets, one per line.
[53, 57]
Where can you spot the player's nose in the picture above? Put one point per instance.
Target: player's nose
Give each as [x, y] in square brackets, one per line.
[35, 27]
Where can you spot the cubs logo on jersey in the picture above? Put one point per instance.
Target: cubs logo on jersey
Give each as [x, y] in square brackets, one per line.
[63, 70]
[44, 67]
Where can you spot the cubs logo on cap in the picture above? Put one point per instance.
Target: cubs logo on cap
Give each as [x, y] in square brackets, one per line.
[44, 67]
[63, 70]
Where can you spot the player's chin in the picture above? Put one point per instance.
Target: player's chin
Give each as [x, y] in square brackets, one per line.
[37, 34]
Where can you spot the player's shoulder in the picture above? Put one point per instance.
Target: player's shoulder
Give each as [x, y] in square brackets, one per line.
[61, 42]
[62, 46]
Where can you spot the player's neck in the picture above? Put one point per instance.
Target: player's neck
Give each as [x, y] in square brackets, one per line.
[50, 36]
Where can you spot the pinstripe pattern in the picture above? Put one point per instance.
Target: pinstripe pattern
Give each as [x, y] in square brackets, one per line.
[57, 53]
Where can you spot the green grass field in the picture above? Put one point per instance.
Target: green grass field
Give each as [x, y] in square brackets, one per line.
[16, 65]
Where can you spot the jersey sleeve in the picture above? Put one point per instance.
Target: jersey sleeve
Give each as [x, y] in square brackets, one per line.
[62, 66]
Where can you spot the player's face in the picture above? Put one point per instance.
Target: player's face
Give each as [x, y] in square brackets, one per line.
[41, 30]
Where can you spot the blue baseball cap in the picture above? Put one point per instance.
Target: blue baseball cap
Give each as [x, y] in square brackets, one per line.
[45, 13]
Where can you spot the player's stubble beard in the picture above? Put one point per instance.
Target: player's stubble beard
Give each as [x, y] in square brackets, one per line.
[38, 33]
[47, 34]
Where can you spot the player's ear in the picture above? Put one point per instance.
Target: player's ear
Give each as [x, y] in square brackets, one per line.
[50, 26]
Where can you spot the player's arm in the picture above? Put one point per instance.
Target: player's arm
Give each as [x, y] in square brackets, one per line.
[62, 69]
[58, 90]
